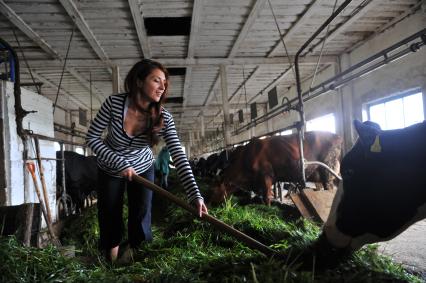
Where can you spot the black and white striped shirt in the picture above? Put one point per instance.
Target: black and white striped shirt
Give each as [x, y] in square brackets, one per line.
[119, 150]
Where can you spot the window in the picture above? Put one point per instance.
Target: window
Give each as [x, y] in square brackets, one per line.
[79, 150]
[397, 112]
[325, 123]
[286, 132]
[57, 146]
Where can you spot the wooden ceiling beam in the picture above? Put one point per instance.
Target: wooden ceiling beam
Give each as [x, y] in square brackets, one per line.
[189, 62]
[254, 14]
[193, 38]
[296, 26]
[84, 28]
[137, 16]
[359, 12]
[28, 31]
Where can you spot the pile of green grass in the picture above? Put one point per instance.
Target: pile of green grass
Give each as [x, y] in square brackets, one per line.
[186, 249]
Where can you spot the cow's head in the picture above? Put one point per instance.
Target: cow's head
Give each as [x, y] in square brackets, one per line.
[381, 195]
[218, 194]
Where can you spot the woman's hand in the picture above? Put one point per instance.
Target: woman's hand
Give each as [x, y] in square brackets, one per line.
[128, 173]
[201, 207]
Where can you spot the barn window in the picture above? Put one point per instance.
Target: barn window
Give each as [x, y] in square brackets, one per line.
[325, 123]
[285, 133]
[397, 112]
[57, 146]
[79, 150]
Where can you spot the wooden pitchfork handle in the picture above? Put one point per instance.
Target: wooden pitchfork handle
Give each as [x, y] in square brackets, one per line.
[43, 181]
[31, 168]
[249, 241]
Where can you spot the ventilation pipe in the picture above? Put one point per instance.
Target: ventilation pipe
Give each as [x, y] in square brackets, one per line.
[20, 113]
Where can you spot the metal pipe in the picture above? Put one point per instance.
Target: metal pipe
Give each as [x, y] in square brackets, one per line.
[19, 111]
[64, 189]
[331, 84]
[307, 163]
[299, 107]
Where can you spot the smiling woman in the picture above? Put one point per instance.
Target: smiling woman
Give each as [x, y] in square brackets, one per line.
[134, 121]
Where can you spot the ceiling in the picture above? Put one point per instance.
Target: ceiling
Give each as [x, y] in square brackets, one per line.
[106, 37]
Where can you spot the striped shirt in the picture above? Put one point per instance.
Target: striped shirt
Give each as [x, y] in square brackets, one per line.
[119, 150]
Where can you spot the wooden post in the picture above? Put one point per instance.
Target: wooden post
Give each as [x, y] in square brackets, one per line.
[28, 224]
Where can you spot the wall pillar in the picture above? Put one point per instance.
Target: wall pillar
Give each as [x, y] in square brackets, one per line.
[225, 105]
[116, 88]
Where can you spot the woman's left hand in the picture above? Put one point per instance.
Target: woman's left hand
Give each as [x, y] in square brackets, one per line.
[201, 207]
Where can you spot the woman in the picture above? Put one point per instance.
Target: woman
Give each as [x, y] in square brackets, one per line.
[162, 166]
[134, 121]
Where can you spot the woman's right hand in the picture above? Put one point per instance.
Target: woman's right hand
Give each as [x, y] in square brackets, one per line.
[128, 173]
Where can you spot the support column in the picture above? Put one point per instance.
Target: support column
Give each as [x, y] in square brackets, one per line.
[225, 105]
[346, 93]
[188, 148]
[252, 132]
[116, 88]
[202, 125]
[269, 124]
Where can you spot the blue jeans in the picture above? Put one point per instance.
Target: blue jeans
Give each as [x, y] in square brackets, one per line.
[110, 210]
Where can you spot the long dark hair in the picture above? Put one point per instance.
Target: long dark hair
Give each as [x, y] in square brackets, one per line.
[138, 73]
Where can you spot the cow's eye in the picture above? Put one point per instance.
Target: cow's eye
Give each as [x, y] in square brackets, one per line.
[348, 173]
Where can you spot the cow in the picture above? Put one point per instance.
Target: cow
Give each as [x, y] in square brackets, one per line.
[261, 163]
[200, 167]
[383, 190]
[210, 164]
[80, 176]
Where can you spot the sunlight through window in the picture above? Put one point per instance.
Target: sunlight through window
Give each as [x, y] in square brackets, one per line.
[325, 123]
[286, 132]
[398, 113]
[79, 150]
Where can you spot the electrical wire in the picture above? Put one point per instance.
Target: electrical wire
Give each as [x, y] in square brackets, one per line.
[63, 68]
[321, 51]
[282, 39]
[26, 62]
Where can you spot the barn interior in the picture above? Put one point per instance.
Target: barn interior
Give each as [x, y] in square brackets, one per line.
[238, 69]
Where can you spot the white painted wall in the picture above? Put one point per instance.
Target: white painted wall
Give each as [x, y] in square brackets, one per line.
[20, 187]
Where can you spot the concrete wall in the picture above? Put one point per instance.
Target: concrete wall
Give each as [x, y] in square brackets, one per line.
[19, 186]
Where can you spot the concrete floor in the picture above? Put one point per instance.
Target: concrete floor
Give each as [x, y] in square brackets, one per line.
[409, 248]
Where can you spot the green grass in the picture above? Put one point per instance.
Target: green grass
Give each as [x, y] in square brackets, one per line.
[186, 249]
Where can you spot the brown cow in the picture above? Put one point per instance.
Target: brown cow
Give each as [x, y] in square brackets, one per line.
[261, 163]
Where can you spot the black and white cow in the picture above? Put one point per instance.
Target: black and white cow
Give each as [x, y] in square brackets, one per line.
[81, 176]
[384, 187]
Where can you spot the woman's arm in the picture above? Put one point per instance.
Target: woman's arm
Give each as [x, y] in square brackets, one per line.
[180, 160]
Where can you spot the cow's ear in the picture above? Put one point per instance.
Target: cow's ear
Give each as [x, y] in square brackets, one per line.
[367, 131]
